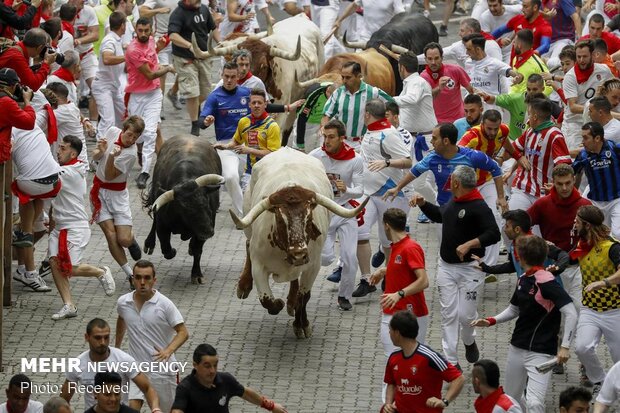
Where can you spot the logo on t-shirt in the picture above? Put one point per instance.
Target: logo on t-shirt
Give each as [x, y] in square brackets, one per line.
[223, 401]
[461, 213]
[414, 370]
[450, 84]
[398, 259]
[243, 101]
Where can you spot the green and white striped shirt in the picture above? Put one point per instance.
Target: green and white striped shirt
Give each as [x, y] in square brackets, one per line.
[349, 107]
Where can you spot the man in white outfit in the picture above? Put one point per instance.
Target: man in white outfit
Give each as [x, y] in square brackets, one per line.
[324, 15]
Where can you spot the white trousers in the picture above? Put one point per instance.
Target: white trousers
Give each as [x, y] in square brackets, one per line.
[489, 193]
[460, 286]
[521, 200]
[553, 55]
[148, 106]
[572, 134]
[590, 327]
[165, 386]
[611, 210]
[571, 280]
[521, 373]
[346, 230]
[324, 17]
[230, 172]
[110, 105]
[375, 209]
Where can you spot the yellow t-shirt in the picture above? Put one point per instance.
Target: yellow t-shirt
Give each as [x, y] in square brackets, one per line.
[263, 134]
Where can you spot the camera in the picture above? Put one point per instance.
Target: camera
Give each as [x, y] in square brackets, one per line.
[60, 58]
[18, 95]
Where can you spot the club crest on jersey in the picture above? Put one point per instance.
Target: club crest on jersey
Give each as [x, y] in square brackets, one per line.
[598, 77]
[485, 70]
[414, 370]
[222, 401]
[461, 213]
[607, 154]
[435, 75]
[450, 84]
[243, 101]
[398, 259]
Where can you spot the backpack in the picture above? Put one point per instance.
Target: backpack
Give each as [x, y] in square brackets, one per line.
[6, 43]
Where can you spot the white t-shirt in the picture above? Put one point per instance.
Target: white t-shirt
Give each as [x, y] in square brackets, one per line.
[160, 21]
[110, 74]
[87, 376]
[86, 18]
[33, 407]
[416, 105]
[377, 14]
[350, 171]
[251, 83]
[584, 91]
[244, 7]
[123, 162]
[610, 391]
[375, 145]
[72, 97]
[31, 154]
[488, 75]
[69, 209]
[127, 37]
[458, 53]
[68, 120]
[488, 23]
[612, 130]
[151, 327]
[64, 45]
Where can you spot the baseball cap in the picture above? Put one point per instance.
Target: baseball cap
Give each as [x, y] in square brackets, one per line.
[8, 77]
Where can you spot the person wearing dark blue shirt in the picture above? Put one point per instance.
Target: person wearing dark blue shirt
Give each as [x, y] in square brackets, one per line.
[599, 160]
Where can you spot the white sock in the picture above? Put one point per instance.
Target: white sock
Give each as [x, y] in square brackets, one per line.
[365, 277]
[21, 268]
[127, 269]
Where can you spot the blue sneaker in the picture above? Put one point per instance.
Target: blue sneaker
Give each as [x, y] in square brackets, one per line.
[335, 275]
[423, 219]
[377, 259]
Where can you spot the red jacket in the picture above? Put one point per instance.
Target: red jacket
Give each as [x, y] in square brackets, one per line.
[12, 115]
[16, 59]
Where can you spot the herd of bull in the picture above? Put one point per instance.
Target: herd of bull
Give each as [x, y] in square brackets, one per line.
[285, 229]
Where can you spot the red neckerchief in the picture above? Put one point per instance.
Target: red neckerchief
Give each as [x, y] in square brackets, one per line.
[520, 59]
[435, 76]
[65, 75]
[52, 125]
[470, 196]
[533, 270]
[379, 125]
[68, 27]
[72, 162]
[583, 75]
[246, 77]
[45, 17]
[573, 197]
[581, 250]
[486, 404]
[344, 154]
[254, 120]
[119, 141]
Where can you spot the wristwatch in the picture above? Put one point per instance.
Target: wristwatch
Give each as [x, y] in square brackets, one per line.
[387, 162]
[401, 293]
[446, 402]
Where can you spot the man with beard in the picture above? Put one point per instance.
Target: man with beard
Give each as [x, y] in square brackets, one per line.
[98, 338]
[473, 114]
[145, 97]
[18, 397]
[446, 81]
[580, 84]
[531, 19]
[599, 260]
[496, 16]
[526, 61]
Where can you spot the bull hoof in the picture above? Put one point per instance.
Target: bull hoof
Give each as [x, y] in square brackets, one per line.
[170, 255]
[290, 310]
[196, 279]
[148, 249]
[277, 306]
[189, 251]
[243, 293]
[303, 332]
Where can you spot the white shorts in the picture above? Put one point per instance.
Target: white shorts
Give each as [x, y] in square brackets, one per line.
[89, 66]
[165, 56]
[115, 206]
[77, 240]
[375, 209]
[165, 387]
[42, 222]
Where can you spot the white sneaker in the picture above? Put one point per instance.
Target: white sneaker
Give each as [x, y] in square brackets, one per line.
[67, 311]
[432, 6]
[426, 13]
[107, 281]
[34, 282]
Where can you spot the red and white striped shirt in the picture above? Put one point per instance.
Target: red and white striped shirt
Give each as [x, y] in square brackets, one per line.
[544, 149]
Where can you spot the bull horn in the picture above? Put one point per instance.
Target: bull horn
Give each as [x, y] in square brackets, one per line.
[210, 179]
[197, 51]
[285, 54]
[352, 45]
[221, 51]
[339, 209]
[258, 36]
[248, 219]
[399, 49]
[305, 83]
[162, 200]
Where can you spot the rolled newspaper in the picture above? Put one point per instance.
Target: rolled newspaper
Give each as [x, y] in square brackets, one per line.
[546, 366]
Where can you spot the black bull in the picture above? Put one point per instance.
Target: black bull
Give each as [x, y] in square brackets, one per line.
[184, 196]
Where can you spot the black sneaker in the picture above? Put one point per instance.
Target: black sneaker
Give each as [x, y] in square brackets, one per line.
[135, 251]
[377, 259]
[471, 352]
[83, 103]
[344, 304]
[45, 269]
[443, 30]
[22, 239]
[195, 128]
[583, 377]
[335, 275]
[596, 388]
[363, 289]
[141, 180]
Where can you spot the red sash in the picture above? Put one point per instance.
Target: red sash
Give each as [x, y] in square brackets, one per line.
[24, 198]
[52, 125]
[94, 194]
[63, 257]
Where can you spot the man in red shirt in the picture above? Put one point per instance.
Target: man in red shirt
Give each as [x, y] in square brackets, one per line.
[531, 19]
[596, 26]
[416, 373]
[12, 115]
[492, 399]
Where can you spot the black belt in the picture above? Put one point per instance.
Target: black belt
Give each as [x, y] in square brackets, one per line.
[48, 180]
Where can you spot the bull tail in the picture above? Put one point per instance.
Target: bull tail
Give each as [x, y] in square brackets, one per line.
[148, 199]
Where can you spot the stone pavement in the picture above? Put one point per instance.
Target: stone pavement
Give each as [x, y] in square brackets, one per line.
[339, 369]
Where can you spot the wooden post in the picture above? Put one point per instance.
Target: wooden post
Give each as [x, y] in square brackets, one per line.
[6, 258]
